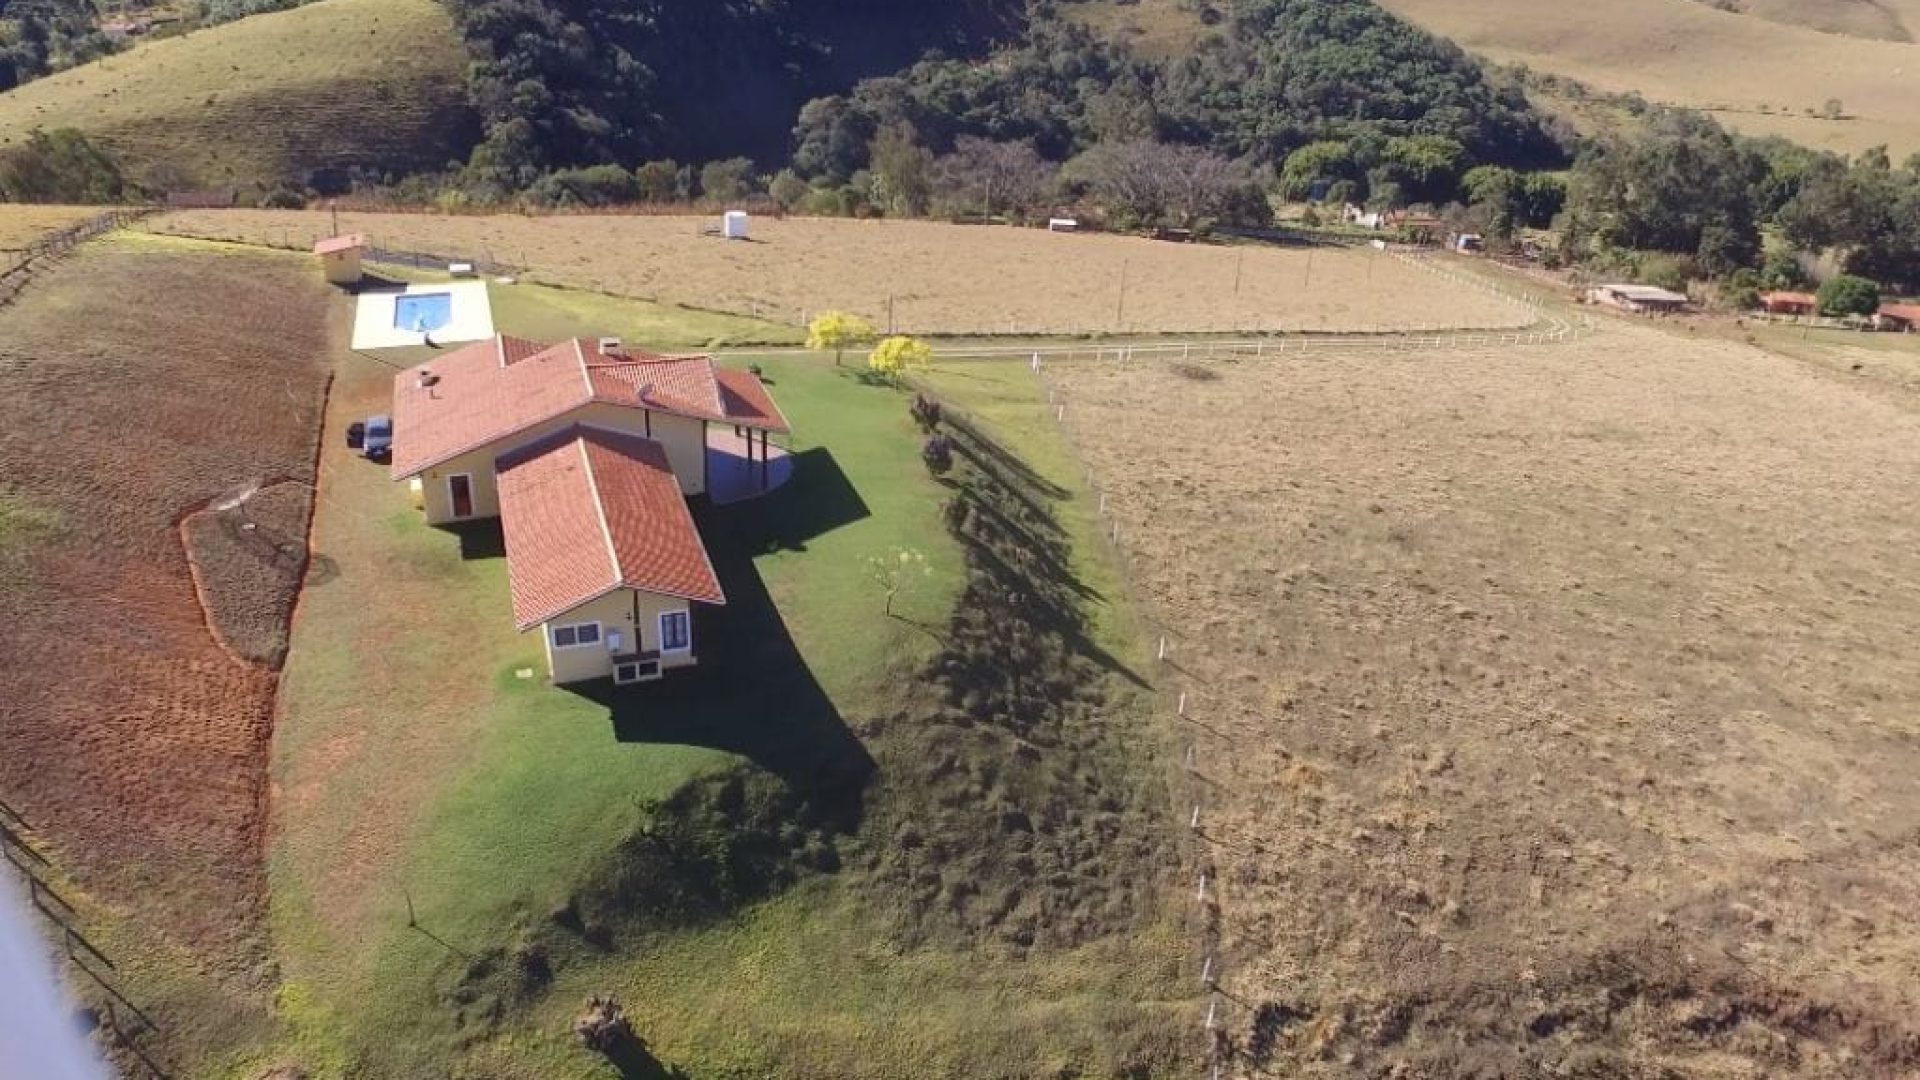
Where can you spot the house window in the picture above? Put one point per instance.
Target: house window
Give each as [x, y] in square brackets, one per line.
[634, 671]
[573, 635]
[676, 632]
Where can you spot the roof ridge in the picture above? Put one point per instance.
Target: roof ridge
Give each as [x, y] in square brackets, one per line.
[599, 507]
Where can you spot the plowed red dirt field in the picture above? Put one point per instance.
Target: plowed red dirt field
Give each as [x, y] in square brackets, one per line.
[1557, 709]
[136, 384]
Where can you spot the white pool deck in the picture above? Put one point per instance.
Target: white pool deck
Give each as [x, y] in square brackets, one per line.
[472, 316]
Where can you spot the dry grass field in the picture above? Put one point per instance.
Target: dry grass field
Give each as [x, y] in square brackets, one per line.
[135, 385]
[330, 85]
[21, 224]
[1555, 707]
[938, 278]
[1683, 52]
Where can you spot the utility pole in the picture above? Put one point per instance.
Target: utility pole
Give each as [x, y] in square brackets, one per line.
[1237, 264]
[1120, 308]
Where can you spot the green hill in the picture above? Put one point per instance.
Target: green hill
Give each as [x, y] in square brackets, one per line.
[335, 85]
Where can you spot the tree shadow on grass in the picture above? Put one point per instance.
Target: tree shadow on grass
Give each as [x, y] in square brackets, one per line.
[752, 693]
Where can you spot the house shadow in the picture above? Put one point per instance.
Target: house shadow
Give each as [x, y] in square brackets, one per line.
[752, 693]
[483, 538]
[817, 499]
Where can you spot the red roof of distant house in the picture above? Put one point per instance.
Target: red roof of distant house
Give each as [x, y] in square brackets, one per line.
[490, 390]
[334, 244]
[1903, 312]
[587, 511]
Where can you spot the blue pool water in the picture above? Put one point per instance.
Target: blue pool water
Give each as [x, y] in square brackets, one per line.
[422, 312]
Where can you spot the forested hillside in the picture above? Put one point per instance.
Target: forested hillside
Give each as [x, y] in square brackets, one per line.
[573, 82]
[38, 37]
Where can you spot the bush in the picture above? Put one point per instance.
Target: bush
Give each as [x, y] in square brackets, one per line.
[595, 185]
[1849, 295]
[926, 412]
[937, 452]
[60, 166]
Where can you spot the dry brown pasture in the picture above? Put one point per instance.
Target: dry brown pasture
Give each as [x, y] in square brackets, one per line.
[137, 383]
[941, 278]
[1556, 709]
[22, 223]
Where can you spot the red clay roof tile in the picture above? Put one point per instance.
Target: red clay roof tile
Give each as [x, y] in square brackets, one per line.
[587, 511]
[488, 391]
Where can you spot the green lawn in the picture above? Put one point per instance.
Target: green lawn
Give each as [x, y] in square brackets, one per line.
[415, 770]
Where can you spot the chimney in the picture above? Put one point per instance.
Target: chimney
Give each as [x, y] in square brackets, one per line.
[609, 346]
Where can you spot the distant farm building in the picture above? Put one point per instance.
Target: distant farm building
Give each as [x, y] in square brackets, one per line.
[1639, 299]
[340, 258]
[587, 453]
[1900, 318]
[1789, 303]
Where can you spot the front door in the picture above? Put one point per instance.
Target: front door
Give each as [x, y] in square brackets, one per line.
[460, 489]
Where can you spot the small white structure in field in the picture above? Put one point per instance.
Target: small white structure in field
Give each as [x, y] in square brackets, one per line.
[734, 225]
[1063, 224]
[340, 258]
[460, 270]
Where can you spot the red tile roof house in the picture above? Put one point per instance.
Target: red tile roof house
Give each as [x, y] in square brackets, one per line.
[1790, 303]
[586, 452]
[1900, 318]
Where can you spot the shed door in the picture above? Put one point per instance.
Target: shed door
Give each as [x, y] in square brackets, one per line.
[460, 489]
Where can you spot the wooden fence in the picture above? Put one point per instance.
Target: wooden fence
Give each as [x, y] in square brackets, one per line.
[50, 247]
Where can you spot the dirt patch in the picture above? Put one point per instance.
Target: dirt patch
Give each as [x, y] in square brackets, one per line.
[248, 551]
[1553, 705]
[922, 277]
[135, 386]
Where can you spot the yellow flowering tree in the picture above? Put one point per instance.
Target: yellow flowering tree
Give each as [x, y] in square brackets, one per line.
[839, 331]
[895, 355]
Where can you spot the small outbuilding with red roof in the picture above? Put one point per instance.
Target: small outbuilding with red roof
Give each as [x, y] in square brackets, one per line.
[587, 453]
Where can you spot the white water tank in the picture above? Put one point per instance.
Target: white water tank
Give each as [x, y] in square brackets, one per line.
[734, 226]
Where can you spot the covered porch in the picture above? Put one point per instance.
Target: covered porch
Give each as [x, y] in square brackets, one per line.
[743, 462]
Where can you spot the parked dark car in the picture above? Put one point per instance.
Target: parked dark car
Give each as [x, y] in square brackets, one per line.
[356, 435]
[377, 443]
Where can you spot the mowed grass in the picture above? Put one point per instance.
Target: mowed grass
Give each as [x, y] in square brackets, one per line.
[374, 83]
[414, 765]
[1760, 76]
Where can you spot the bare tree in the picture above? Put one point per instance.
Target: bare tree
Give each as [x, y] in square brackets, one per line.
[1005, 177]
[1154, 182]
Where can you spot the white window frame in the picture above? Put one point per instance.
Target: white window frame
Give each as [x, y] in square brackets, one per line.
[553, 635]
[471, 500]
[662, 627]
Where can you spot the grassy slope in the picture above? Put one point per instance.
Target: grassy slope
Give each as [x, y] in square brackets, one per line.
[1686, 53]
[337, 83]
[412, 763]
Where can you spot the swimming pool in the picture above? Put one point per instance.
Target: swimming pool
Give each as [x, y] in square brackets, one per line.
[422, 312]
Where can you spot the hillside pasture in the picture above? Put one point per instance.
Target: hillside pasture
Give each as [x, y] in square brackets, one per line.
[934, 278]
[332, 85]
[137, 385]
[1758, 76]
[1555, 706]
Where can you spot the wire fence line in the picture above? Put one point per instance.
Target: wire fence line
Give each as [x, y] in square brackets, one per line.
[127, 1026]
[47, 248]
